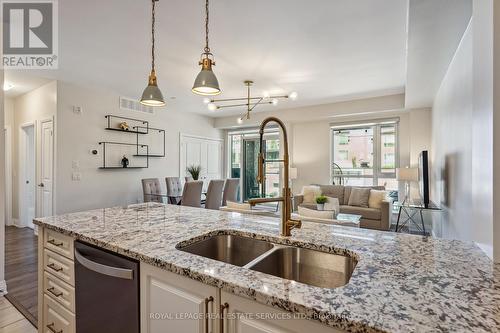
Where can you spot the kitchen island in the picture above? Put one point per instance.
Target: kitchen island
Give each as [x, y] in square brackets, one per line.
[401, 283]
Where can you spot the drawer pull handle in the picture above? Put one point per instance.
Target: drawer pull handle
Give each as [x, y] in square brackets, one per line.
[53, 242]
[223, 307]
[207, 300]
[54, 267]
[51, 328]
[53, 291]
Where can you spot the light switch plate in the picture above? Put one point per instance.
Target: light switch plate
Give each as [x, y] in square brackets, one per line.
[77, 109]
[76, 176]
[75, 164]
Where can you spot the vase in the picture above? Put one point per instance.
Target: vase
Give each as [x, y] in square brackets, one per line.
[320, 206]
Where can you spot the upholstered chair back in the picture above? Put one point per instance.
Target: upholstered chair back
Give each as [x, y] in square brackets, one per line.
[191, 195]
[230, 190]
[214, 194]
[151, 186]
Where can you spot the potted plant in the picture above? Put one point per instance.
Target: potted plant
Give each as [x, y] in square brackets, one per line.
[194, 171]
[320, 202]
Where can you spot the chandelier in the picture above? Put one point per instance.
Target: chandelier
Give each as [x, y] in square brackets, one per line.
[249, 102]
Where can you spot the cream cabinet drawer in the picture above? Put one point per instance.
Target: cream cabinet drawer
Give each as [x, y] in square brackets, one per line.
[59, 291]
[61, 267]
[56, 318]
[58, 243]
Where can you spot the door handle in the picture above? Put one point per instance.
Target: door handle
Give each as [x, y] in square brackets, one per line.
[207, 300]
[41, 185]
[52, 329]
[121, 273]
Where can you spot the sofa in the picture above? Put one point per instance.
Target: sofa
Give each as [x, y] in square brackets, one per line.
[372, 218]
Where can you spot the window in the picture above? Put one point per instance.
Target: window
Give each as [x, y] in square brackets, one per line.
[365, 154]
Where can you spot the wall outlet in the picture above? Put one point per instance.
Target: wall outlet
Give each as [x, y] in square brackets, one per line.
[77, 109]
[76, 176]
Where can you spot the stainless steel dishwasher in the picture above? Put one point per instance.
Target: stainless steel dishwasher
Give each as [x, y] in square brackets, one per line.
[106, 291]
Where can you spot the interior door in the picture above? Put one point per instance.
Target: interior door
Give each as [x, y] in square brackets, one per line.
[206, 153]
[45, 185]
[27, 162]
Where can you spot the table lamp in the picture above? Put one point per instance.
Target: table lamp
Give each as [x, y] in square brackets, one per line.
[407, 175]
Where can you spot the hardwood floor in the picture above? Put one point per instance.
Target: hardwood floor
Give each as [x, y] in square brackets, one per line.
[11, 320]
[21, 270]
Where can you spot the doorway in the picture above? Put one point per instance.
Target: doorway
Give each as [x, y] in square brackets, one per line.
[27, 174]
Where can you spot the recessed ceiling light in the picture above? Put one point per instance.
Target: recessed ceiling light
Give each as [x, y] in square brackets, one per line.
[7, 86]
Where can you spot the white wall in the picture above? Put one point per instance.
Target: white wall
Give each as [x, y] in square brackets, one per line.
[77, 135]
[33, 107]
[492, 17]
[309, 132]
[463, 137]
[2, 190]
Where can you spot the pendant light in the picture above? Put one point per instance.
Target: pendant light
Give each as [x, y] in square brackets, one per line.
[152, 95]
[206, 82]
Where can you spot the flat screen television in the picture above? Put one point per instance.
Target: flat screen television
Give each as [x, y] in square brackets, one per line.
[423, 177]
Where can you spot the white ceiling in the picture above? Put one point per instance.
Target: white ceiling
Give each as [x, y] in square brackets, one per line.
[435, 28]
[323, 49]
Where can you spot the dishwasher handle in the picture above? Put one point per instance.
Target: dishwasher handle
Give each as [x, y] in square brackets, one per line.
[116, 272]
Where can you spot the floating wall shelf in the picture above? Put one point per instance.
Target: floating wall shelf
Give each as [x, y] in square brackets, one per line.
[138, 126]
[151, 131]
[106, 144]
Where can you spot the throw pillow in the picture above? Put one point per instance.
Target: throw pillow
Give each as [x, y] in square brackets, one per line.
[310, 193]
[376, 198]
[237, 205]
[319, 214]
[332, 204]
[359, 197]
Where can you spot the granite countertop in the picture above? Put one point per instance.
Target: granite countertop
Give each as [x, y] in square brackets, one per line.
[402, 283]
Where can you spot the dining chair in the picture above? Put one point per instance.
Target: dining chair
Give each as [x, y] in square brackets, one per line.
[150, 187]
[214, 194]
[191, 194]
[174, 189]
[188, 179]
[230, 190]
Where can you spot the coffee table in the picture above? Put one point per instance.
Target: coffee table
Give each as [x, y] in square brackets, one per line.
[351, 218]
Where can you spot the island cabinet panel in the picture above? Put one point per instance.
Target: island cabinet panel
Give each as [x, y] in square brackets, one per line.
[173, 303]
[56, 280]
[242, 315]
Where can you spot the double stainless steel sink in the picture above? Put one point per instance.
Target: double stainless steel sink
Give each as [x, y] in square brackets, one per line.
[316, 268]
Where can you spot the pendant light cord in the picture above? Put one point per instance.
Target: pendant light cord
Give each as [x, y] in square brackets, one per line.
[207, 48]
[153, 35]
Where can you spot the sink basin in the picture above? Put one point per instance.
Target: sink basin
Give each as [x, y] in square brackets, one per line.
[320, 269]
[235, 250]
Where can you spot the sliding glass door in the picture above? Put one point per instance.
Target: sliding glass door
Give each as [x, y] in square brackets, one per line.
[243, 159]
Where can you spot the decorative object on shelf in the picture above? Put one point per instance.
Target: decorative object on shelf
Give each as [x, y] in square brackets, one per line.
[206, 82]
[124, 126]
[249, 102]
[125, 161]
[194, 171]
[407, 175]
[152, 95]
[320, 202]
[106, 144]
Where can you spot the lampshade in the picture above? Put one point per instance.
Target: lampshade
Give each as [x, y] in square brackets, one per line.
[407, 174]
[292, 173]
[152, 96]
[206, 83]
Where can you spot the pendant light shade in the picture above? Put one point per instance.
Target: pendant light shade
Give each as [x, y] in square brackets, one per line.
[206, 82]
[152, 95]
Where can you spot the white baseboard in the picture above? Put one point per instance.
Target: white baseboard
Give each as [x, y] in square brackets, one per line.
[15, 222]
[3, 287]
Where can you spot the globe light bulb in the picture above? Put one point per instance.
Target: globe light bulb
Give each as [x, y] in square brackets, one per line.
[240, 120]
[293, 95]
[266, 94]
[274, 101]
[212, 106]
[207, 100]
